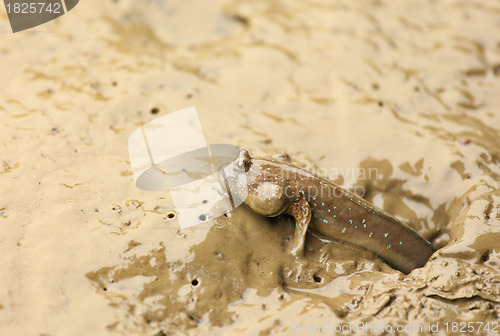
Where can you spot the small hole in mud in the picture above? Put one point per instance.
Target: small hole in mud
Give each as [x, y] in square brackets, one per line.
[194, 282]
[104, 289]
[380, 103]
[225, 215]
[155, 110]
[316, 278]
[204, 201]
[341, 313]
[485, 256]
[171, 215]
[203, 218]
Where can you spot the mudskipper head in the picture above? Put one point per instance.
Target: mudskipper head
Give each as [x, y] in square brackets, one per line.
[250, 181]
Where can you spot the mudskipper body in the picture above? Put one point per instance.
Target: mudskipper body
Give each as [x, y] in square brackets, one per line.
[274, 186]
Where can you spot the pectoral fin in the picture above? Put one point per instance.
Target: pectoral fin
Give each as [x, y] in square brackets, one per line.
[301, 211]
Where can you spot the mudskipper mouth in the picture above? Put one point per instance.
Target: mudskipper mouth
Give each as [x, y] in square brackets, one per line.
[221, 177]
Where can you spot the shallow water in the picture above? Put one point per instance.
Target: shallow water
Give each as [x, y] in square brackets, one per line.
[406, 91]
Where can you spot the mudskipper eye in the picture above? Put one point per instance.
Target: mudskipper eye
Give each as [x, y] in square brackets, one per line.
[241, 164]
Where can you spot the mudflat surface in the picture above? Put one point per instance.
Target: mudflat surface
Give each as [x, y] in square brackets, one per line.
[406, 91]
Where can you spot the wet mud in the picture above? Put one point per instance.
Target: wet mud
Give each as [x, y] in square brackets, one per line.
[408, 92]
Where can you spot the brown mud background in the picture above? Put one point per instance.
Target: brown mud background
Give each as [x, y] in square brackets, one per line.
[409, 89]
